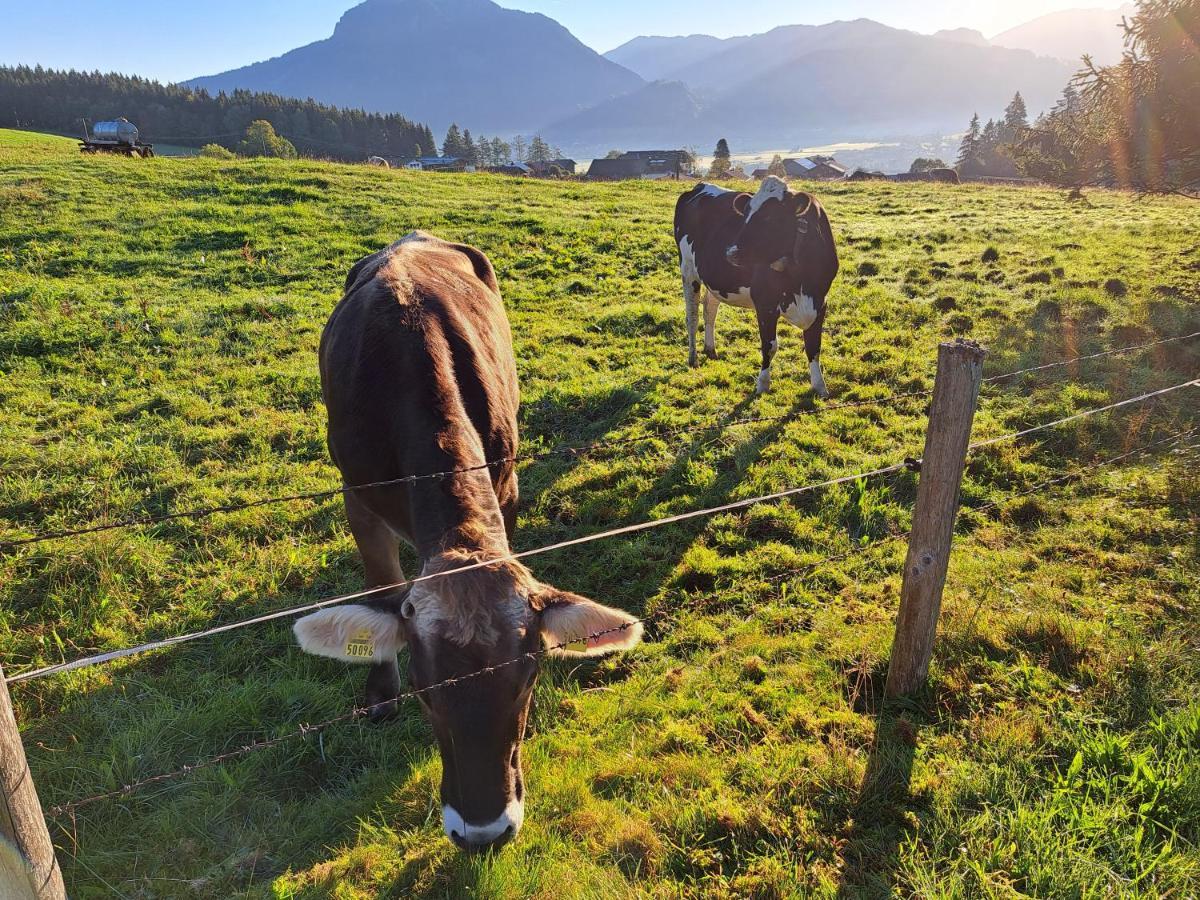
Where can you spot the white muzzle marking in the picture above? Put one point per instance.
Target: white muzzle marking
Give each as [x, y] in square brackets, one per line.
[480, 836]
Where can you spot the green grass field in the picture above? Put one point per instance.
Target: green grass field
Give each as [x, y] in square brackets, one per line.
[159, 322]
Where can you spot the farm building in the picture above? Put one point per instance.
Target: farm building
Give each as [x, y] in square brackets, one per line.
[814, 168]
[436, 164]
[644, 164]
[543, 169]
[511, 168]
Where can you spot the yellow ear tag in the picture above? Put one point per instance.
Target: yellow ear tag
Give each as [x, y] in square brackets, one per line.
[580, 646]
[361, 645]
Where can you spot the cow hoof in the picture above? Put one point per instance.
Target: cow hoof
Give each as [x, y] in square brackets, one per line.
[710, 352]
[823, 394]
[380, 712]
[692, 361]
[763, 384]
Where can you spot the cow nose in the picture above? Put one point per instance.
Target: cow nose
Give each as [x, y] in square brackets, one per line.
[482, 838]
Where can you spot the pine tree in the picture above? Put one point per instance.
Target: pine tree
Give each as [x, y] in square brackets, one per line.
[721, 164]
[1016, 116]
[968, 150]
[518, 148]
[470, 153]
[453, 145]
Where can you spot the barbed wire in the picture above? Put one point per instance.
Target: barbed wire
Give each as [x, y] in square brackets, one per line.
[582, 450]
[566, 450]
[305, 729]
[113, 655]
[1103, 353]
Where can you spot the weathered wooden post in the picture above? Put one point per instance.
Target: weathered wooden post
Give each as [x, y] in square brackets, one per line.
[955, 394]
[21, 820]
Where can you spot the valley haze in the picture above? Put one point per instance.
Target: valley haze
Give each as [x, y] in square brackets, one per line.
[503, 71]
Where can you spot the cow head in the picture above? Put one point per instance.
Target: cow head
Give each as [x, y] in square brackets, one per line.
[787, 231]
[458, 624]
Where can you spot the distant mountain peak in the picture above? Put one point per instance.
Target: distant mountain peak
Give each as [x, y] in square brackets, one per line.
[963, 36]
[473, 62]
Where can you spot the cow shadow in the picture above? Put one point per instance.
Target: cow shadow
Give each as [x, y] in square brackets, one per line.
[644, 565]
[566, 425]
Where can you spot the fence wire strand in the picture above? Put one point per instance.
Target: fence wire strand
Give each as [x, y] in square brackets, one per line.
[359, 712]
[10, 544]
[113, 655]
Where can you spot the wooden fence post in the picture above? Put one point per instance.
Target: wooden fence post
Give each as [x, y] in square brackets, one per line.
[21, 820]
[955, 394]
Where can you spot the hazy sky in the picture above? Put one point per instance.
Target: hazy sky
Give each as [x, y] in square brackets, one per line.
[176, 39]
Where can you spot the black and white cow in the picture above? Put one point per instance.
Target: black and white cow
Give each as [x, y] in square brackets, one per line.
[773, 252]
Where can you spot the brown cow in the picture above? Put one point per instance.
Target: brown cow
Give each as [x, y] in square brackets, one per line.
[418, 375]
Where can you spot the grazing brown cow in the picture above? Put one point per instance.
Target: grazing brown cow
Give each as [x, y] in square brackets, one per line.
[419, 377]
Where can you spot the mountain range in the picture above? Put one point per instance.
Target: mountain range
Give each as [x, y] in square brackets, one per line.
[442, 61]
[497, 70]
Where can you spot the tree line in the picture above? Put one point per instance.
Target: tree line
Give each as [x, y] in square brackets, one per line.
[1131, 125]
[496, 151]
[59, 101]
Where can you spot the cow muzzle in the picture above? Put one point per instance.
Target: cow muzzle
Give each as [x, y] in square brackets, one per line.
[480, 838]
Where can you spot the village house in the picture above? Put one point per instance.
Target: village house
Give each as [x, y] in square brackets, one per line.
[815, 168]
[436, 164]
[545, 169]
[649, 165]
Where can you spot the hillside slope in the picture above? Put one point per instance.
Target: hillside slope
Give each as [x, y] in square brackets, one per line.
[1071, 33]
[746, 749]
[438, 61]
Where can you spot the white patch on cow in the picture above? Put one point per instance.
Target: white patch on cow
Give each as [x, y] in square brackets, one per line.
[771, 187]
[740, 299]
[687, 260]
[482, 835]
[712, 304]
[818, 380]
[764, 381]
[356, 634]
[433, 615]
[802, 312]
[691, 291]
[711, 190]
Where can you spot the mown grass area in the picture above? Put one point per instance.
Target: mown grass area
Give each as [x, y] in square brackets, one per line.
[158, 329]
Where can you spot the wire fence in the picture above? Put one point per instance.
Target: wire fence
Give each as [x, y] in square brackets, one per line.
[406, 584]
[582, 450]
[69, 809]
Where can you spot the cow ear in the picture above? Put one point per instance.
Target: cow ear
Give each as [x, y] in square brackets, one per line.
[740, 204]
[576, 626]
[356, 634]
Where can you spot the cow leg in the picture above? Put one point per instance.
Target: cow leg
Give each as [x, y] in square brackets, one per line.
[812, 349]
[691, 295]
[768, 333]
[380, 551]
[712, 305]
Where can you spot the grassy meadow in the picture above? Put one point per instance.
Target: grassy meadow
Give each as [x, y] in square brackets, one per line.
[159, 322]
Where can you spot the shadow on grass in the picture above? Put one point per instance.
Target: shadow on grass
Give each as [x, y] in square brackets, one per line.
[872, 855]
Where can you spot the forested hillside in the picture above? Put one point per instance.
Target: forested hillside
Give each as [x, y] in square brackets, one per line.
[49, 100]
